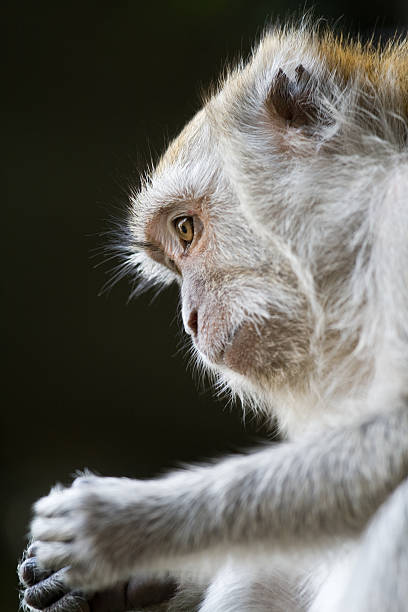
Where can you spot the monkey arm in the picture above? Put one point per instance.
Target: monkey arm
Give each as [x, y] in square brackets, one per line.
[301, 493]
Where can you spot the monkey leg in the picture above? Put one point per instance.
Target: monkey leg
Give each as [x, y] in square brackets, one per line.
[379, 574]
[238, 587]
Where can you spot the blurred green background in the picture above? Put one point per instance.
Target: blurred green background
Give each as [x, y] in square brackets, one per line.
[92, 92]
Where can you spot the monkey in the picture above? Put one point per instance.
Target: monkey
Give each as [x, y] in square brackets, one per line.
[281, 211]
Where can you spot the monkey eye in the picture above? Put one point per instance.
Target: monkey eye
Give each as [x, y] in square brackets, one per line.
[184, 227]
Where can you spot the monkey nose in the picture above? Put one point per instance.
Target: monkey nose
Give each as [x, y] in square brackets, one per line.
[192, 323]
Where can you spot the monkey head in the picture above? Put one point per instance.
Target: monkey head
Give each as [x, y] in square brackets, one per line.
[260, 210]
[241, 302]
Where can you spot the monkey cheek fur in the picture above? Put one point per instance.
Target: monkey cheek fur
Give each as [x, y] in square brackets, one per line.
[240, 355]
[260, 353]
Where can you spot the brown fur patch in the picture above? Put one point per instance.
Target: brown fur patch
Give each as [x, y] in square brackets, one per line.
[371, 66]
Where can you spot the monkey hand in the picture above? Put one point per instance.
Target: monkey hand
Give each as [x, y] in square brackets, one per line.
[44, 590]
[101, 530]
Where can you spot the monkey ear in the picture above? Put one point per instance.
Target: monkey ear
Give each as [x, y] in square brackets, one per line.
[295, 101]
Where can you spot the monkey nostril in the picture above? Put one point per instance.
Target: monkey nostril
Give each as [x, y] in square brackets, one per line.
[192, 322]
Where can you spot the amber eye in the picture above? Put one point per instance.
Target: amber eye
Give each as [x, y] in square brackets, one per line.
[185, 229]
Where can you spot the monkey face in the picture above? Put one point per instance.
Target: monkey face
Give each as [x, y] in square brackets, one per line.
[240, 301]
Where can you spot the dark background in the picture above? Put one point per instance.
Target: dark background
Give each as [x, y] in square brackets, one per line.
[92, 92]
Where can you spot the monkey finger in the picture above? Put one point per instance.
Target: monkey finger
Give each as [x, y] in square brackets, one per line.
[56, 503]
[71, 602]
[52, 529]
[54, 555]
[30, 573]
[31, 551]
[45, 592]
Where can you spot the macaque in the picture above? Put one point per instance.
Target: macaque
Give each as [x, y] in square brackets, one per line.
[281, 210]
